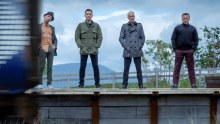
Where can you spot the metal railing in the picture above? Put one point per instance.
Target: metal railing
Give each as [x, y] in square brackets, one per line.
[156, 74]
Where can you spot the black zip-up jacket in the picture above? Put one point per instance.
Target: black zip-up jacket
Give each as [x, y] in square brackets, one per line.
[184, 37]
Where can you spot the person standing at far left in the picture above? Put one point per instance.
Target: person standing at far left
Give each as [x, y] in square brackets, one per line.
[47, 47]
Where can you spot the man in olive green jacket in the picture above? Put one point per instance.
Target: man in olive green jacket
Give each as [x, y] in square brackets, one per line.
[88, 37]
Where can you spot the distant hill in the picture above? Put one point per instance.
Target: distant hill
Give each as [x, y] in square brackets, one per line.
[73, 68]
[73, 81]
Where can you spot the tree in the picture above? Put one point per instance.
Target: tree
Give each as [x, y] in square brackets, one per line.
[145, 65]
[161, 52]
[209, 54]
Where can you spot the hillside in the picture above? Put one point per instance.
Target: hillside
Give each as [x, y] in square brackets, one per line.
[73, 68]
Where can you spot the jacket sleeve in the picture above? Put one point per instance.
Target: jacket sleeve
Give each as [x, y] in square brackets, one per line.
[196, 39]
[77, 37]
[174, 38]
[99, 39]
[122, 37]
[142, 37]
[55, 38]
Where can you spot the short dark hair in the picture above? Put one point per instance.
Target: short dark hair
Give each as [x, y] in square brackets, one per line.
[88, 10]
[185, 14]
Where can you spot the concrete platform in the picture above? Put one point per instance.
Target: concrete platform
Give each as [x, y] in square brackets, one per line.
[129, 91]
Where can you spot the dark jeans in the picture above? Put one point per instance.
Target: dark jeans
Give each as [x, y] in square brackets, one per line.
[127, 63]
[43, 56]
[179, 56]
[83, 62]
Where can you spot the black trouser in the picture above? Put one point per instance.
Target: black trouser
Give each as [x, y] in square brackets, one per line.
[83, 62]
[127, 63]
[41, 64]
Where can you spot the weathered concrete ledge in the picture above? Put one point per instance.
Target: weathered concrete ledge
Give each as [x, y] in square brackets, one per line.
[129, 91]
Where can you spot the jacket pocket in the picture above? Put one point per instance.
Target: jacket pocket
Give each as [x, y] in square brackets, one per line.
[94, 34]
[83, 34]
[83, 37]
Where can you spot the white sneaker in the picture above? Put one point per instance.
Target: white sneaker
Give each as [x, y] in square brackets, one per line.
[40, 86]
[49, 86]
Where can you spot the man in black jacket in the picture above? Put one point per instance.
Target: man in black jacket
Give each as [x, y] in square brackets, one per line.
[184, 42]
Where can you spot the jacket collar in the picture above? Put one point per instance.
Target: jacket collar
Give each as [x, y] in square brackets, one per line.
[135, 23]
[91, 25]
[186, 25]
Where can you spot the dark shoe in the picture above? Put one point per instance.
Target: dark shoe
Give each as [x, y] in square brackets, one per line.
[80, 86]
[141, 86]
[194, 86]
[174, 86]
[98, 86]
[123, 87]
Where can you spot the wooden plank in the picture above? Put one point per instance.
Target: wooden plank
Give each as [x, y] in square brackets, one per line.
[121, 100]
[65, 100]
[143, 112]
[183, 100]
[95, 108]
[43, 112]
[154, 108]
[218, 110]
[75, 121]
[70, 112]
[124, 121]
[49, 121]
[184, 121]
[117, 112]
[124, 112]
[213, 108]
[66, 121]
[192, 111]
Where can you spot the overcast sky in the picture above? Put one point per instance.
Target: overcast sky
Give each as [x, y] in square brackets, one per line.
[158, 18]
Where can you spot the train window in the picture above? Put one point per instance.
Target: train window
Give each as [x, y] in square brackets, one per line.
[18, 36]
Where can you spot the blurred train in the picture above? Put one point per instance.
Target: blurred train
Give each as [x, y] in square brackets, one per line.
[18, 61]
[18, 38]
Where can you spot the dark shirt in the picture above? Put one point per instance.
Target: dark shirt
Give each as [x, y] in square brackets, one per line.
[89, 24]
[184, 37]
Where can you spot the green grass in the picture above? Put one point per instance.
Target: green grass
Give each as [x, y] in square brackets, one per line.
[117, 85]
[184, 83]
[132, 85]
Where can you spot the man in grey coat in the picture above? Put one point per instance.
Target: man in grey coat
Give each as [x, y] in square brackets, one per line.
[132, 40]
